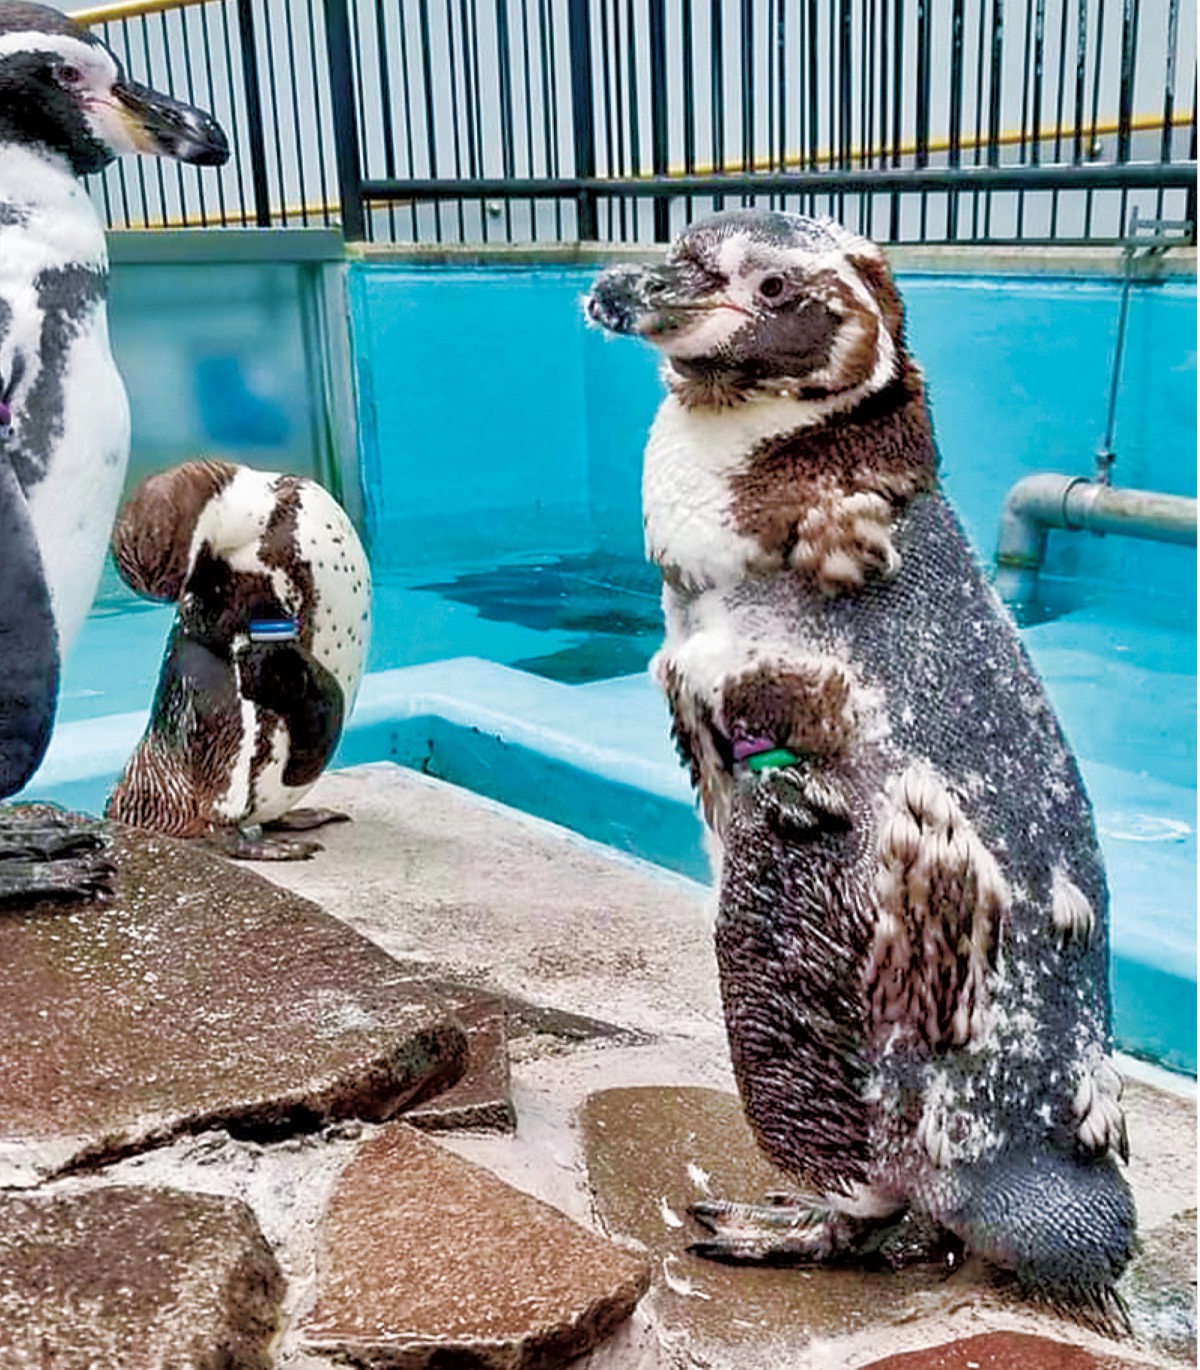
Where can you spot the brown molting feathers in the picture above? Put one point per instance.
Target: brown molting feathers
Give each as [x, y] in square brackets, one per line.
[152, 540]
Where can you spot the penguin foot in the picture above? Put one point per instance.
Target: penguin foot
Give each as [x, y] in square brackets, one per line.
[49, 855]
[783, 1231]
[304, 820]
[787, 1230]
[254, 844]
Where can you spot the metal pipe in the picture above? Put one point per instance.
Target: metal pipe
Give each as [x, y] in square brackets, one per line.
[1038, 503]
[1126, 175]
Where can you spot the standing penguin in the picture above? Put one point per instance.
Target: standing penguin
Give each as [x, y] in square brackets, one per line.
[66, 111]
[912, 924]
[264, 658]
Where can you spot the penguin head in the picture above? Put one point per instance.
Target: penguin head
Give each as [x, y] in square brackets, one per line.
[754, 303]
[63, 91]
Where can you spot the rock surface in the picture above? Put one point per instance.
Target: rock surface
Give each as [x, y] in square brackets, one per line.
[201, 995]
[481, 1100]
[126, 1279]
[429, 1260]
[653, 1151]
[1003, 1351]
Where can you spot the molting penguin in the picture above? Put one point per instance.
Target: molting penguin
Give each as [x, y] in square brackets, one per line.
[264, 658]
[911, 929]
[66, 110]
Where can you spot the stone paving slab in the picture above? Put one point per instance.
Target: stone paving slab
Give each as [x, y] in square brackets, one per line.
[652, 1151]
[429, 1260]
[135, 1279]
[1003, 1351]
[201, 995]
[481, 1100]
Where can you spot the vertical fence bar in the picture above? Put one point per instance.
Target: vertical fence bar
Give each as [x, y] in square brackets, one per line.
[954, 156]
[252, 92]
[1190, 211]
[687, 59]
[658, 114]
[716, 58]
[344, 102]
[582, 122]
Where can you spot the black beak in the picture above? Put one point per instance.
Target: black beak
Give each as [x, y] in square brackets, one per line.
[170, 128]
[621, 298]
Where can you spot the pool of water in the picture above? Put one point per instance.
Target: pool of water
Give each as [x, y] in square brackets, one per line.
[514, 614]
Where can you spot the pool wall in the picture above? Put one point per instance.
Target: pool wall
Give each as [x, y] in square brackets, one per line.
[478, 385]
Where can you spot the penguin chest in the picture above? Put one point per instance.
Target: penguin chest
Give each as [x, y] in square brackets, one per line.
[82, 438]
[696, 529]
[69, 444]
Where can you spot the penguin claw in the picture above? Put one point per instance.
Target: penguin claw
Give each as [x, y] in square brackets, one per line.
[304, 820]
[255, 845]
[774, 1233]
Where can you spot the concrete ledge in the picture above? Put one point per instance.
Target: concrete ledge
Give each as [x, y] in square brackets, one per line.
[969, 259]
[189, 246]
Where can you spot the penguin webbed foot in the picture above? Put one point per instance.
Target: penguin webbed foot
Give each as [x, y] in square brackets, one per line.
[46, 855]
[254, 843]
[789, 1230]
[305, 820]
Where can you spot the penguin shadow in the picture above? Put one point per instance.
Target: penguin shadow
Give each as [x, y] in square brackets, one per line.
[259, 669]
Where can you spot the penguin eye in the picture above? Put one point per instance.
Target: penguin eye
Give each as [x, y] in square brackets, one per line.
[69, 76]
[771, 287]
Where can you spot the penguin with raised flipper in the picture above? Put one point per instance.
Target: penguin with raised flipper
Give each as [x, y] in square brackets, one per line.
[264, 659]
[66, 111]
[912, 918]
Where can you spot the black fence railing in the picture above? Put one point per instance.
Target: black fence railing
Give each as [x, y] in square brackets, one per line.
[997, 121]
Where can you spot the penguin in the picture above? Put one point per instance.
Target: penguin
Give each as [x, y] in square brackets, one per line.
[911, 927]
[66, 111]
[264, 659]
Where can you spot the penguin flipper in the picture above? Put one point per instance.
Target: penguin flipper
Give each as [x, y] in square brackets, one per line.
[942, 906]
[29, 658]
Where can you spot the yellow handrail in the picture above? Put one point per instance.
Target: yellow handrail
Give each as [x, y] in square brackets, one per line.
[128, 9]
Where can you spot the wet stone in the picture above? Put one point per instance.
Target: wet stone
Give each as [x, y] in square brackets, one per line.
[653, 1151]
[122, 1278]
[201, 995]
[481, 1100]
[427, 1259]
[1004, 1351]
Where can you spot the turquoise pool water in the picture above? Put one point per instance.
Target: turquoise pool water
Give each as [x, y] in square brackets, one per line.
[514, 614]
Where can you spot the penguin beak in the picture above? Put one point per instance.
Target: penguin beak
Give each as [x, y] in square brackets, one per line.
[659, 303]
[161, 126]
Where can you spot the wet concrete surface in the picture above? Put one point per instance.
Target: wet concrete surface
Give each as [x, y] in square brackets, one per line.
[429, 1260]
[122, 1278]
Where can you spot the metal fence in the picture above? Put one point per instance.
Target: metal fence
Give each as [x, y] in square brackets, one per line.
[998, 121]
